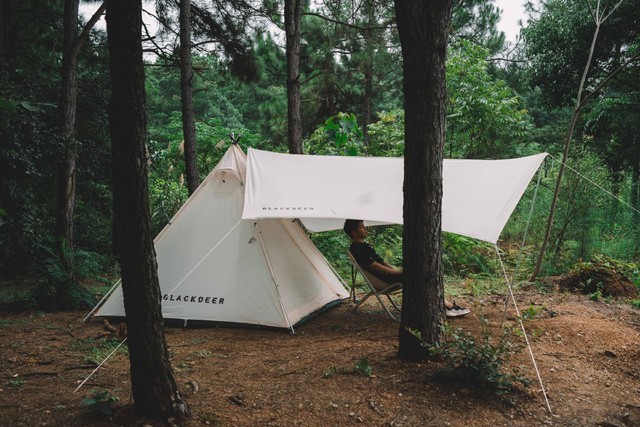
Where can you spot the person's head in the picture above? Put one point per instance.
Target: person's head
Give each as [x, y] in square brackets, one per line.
[355, 229]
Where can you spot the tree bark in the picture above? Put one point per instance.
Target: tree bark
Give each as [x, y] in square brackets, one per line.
[368, 72]
[292, 21]
[423, 27]
[186, 87]
[154, 389]
[635, 192]
[4, 8]
[599, 17]
[66, 170]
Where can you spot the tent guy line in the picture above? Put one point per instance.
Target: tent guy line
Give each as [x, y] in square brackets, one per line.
[524, 332]
[596, 184]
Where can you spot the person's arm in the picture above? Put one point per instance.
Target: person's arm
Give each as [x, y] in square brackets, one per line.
[384, 268]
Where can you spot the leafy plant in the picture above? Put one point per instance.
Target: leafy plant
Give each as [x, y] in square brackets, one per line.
[339, 136]
[362, 366]
[479, 363]
[595, 296]
[101, 402]
[96, 350]
[17, 382]
[59, 287]
[635, 303]
[462, 255]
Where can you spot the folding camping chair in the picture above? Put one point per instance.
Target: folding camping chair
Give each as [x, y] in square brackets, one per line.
[377, 287]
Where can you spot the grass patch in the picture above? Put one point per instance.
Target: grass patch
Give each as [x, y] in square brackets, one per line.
[9, 323]
[362, 367]
[96, 350]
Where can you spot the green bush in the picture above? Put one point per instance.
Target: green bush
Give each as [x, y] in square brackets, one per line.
[462, 256]
[59, 286]
[101, 402]
[479, 362]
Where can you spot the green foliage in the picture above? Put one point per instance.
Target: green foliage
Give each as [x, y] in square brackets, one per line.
[595, 296]
[95, 350]
[478, 362]
[635, 303]
[167, 189]
[485, 116]
[462, 256]
[339, 136]
[334, 246]
[386, 136]
[624, 269]
[101, 402]
[362, 367]
[59, 287]
[476, 21]
[16, 382]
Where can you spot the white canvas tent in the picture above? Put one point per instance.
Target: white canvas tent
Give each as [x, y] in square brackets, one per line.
[214, 266]
[322, 191]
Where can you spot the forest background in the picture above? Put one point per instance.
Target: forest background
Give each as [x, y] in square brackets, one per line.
[504, 100]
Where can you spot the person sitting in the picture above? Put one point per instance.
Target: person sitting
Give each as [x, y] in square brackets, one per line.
[369, 259]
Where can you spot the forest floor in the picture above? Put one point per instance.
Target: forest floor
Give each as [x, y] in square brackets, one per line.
[587, 352]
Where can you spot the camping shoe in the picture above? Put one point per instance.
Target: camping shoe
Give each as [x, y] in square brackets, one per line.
[457, 311]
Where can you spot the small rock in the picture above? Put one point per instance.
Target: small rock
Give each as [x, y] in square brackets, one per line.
[610, 353]
[333, 405]
[352, 414]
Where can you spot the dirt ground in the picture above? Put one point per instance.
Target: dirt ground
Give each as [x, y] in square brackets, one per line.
[587, 352]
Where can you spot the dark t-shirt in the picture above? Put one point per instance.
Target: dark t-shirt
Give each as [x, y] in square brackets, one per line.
[365, 255]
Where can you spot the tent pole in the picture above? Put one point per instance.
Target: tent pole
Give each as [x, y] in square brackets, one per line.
[314, 248]
[273, 277]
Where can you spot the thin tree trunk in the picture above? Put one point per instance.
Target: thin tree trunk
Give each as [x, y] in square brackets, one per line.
[635, 192]
[422, 27]
[186, 87]
[4, 7]
[368, 72]
[599, 16]
[565, 158]
[292, 22]
[66, 169]
[66, 180]
[154, 389]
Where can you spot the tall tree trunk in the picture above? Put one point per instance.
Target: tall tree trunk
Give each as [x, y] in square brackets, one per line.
[423, 27]
[154, 389]
[66, 170]
[635, 191]
[4, 10]
[186, 87]
[368, 72]
[599, 16]
[292, 22]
